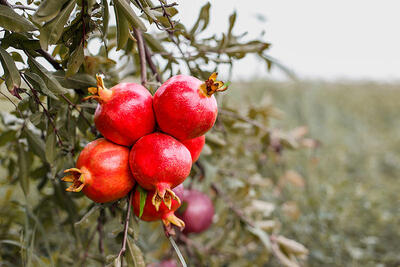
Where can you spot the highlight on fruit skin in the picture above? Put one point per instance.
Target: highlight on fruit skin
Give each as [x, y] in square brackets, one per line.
[163, 213]
[159, 163]
[185, 107]
[102, 172]
[124, 113]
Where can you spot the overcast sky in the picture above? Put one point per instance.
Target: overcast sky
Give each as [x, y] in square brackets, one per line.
[352, 39]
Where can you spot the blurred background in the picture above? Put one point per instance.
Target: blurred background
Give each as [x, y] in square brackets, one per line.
[326, 176]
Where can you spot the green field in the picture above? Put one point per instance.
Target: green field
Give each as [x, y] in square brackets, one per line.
[350, 205]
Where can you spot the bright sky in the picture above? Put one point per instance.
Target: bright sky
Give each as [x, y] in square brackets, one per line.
[352, 39]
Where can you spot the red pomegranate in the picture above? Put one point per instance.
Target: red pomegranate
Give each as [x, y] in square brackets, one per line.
[198, 213]
[185, 106]
[195, 146]
[125, 112]
[102, 172]
[164, 213]
[159, 162]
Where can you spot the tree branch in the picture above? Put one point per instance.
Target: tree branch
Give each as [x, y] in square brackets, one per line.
[149, 59]
[142, 55]
[168, 5]
[126, 226]
[50, 59]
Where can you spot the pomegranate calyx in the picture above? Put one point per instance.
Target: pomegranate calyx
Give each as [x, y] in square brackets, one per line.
[100, 93]
[76, 177]
[171, 218]
[211, 85]
[165, 195]
[169, 195]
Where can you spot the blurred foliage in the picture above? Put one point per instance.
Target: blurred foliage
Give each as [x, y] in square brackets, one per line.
[47, 68]
[341, 199]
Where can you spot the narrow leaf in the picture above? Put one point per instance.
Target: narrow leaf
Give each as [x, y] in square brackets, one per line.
[75, 61]
[11, 73]
[12, 21]
[133, 19]
[135, 253]
[36, 144]
[51, 149]
[106, 17]
[48, 10]
[122, 28]
[51, 82]
[79, 80]
[23, 168]
[143, 196]
[39, 84]
[51, 32]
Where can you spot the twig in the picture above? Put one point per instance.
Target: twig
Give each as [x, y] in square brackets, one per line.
[37, 100]
[23, 7]
[149, 59]
[92, 128]
[167, 5]
[142, 55]
[126, 226]
[167, 15]
[83, 23]
[100, 230]
[178, 252]
[50, 59]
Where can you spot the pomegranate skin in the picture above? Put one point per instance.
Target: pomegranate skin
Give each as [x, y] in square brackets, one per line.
[179, 191]
[198, 213]
[182, 110]
[126, 115]
[159, 162]
[151, 214]
[195, 146]
[102, 172]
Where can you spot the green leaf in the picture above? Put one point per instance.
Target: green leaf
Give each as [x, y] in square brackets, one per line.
[133, 19]
[51, 82]
[75, 61]
[106, 17]
[6, 137]
[79, 80]
[36, 144]
[122, 28]
[48, 10]
[51, 151]
[39, 84]
[23, 168]
[202, 20]
[143, 196]
[17, 57]
[135, 253]
[154, 44]
[51, 32]
[11, 73]
[12, 21]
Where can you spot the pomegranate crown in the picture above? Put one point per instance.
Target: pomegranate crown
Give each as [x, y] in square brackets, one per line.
[211, 85]
[99, 93]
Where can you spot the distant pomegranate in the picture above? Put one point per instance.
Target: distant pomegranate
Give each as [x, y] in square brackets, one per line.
[125, 112]
[185, 106]
[102, 172]
[198, 213]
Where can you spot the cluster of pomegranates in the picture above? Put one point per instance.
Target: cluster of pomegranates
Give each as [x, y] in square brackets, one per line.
[151, 141]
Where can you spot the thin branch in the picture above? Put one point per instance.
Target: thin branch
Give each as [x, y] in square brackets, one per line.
[178, 252]
[167, 15]
[83, 23]
[37, 100]
[50, 59]
[168, 5]
[100, 229]
[92, 128]
[152, 66]
[24, 7]
[126, 226]
[142, 55]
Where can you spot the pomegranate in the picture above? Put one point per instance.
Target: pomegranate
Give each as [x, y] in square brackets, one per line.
[159, 162]
[125, 112]
[102, 172]
[150, 213]
[185, 106]
[195, 146]
[198, 213]
[179, 191]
